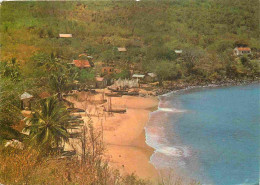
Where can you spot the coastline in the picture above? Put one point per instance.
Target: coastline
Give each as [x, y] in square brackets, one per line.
[124, 135]
[191, 89]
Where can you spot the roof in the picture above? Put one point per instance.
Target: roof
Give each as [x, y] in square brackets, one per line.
[81, 63]
[121, 49]
[65, 35]
[244, 49]
[26, 95]
[83, 54]
[138, 76]
[152, 75]
[44, 95]
[99, 79]
[178, 51]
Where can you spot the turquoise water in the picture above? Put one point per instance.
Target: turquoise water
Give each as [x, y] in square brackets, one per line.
[211, 135]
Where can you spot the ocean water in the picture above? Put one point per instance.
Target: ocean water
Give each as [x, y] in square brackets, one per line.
[211, 135]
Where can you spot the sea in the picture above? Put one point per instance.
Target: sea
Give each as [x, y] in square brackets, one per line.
[210, 135]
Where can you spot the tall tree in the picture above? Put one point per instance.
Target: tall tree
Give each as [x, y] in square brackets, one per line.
[47, 126]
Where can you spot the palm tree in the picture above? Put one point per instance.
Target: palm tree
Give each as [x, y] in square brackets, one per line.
[47, 126]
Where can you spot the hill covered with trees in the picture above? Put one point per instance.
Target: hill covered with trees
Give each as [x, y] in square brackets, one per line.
[206, 31]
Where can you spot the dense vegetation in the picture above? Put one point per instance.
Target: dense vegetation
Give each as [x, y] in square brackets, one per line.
[36, 60]
[207, 31]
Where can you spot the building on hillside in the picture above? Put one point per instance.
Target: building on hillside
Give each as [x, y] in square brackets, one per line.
[242, 51]
[121, 49]
[82, 63]
[85, 55]
[138, 76]
[101, 82]
[107, 70]
[65, 35]
[26, 100]
[150, 77]
[178, 51]
[44, 95]
[110, 70]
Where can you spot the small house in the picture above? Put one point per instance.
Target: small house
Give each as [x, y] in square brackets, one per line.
[82, 63]
[242, 51]
[107, 70]
[101, 82]
[150, 77]
[44, 95]
[110, 70]
[26, 100]
[65, 35]
[178, 51]
[121, 49]
[138, 76]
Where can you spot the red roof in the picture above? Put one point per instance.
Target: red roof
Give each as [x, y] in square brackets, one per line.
[244, 49]
[81, 63]
[99, 79]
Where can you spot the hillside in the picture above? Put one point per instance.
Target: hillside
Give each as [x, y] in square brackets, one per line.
[206, 30]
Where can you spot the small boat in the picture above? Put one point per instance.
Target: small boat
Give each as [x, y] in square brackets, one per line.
[116, 110]
[75, 110]
[131, 93]
[115, 90]
[113, 94]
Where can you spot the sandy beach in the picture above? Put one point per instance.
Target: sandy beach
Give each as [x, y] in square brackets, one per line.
[124, 134]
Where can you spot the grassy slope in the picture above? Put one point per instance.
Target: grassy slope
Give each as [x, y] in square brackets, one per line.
[141, 26]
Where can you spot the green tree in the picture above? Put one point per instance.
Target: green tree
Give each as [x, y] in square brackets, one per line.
[47, 126]
[11, 69]
[59, 83]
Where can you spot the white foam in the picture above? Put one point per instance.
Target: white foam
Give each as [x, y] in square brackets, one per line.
[173, 110]
[174, 151]
[170, 151]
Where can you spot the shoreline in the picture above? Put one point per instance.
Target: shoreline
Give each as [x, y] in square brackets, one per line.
[190, 89]
[125, 135]
[187, 86]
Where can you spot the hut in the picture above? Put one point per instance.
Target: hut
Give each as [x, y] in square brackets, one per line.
[150, 77]
[82, 64]
[107, 70]
[101, 82]
[138, 76]
[242, 51]
[178, 51]
[26, 100]
[121, 49]
[65, 35]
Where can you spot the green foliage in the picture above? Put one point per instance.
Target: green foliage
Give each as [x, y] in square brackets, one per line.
[47, 126]
[10, 70]
[124, 74]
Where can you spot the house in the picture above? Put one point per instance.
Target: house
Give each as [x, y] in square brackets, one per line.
[242, 51]
[110, 70]
[82, 63]
[101, 82]
[137, 76]
[26, 100]
[44, 95]
[150, 77]
[121, 49]
[64, 35]
[85, 55]
[107, 70]
[178, 51]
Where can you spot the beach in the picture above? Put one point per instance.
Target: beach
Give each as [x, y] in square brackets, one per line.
[123, 133]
